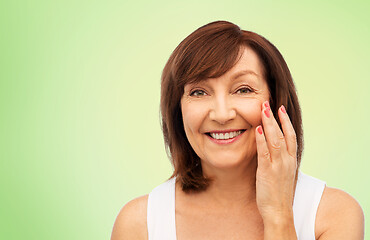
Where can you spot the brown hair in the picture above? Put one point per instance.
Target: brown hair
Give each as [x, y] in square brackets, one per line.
[209, 52]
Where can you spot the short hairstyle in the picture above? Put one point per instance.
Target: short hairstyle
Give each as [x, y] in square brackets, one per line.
[209, 52]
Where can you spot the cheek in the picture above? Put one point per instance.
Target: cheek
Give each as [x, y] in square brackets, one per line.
[251, 112]
[193, 116]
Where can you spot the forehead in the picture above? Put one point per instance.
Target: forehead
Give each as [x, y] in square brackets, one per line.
[248, 66]
[249, 63]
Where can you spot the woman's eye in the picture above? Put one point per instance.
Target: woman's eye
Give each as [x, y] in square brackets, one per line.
[197, 93]
[244, 90]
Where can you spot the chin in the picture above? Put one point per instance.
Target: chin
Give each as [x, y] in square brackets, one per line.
[229, 162]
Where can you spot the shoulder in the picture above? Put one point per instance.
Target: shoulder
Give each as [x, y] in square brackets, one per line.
[339, 216]
[131, 220]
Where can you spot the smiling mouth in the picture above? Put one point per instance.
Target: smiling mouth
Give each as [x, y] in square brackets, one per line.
[225, 135]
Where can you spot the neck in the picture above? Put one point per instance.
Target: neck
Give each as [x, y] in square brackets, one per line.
[232, 187]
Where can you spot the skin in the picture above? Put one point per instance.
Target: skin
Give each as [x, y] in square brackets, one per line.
[246, 173]
[232, 101]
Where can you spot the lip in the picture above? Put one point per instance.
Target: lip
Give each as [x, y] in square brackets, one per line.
[226, 131]
[226, 141]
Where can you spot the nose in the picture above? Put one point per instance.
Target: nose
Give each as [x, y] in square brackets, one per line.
[222, 110]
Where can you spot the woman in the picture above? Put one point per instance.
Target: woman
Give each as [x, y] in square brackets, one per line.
[232, 127]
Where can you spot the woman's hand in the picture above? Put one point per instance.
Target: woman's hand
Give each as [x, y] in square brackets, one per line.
[275, 178]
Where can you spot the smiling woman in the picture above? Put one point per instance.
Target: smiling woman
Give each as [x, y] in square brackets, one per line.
[236, 168]
[215, 50]
[226, 110]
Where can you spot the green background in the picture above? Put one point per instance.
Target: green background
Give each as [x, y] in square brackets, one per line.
[79, 101]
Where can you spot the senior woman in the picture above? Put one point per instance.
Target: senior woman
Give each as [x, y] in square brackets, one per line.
[233, 130]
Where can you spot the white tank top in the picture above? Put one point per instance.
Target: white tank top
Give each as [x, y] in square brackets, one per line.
[161, 208]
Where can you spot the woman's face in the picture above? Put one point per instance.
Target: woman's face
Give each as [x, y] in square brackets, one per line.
[220, 114]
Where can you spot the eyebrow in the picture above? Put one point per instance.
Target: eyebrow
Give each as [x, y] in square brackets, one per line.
[233, 77]
[244, 72]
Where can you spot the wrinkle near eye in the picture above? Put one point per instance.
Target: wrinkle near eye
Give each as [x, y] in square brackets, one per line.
[185, 99]
[258, 91]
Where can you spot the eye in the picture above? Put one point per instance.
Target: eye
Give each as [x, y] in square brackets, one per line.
[198, 93]
[244, 90]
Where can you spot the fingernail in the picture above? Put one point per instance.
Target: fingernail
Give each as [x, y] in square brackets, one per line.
[259, 129]
[283, 109]
[267, 112]
[267, 105]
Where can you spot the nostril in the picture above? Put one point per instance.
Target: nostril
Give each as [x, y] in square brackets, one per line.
[222, 115]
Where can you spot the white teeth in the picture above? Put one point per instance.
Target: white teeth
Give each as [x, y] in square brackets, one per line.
[226, 135]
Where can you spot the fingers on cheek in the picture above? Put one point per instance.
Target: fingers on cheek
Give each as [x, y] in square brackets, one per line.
[260, 136]
[289, 132]
[262, 149]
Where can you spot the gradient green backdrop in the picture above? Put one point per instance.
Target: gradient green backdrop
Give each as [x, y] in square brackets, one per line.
[79, 100]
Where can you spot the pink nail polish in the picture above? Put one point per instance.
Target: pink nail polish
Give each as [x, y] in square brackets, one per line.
[267, 112]
[283, 109]
[267, 105]
[259, 129]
